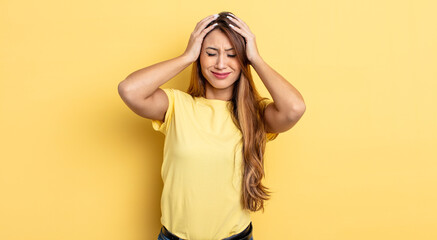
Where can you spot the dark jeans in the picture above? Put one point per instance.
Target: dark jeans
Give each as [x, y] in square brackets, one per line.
[162, 237]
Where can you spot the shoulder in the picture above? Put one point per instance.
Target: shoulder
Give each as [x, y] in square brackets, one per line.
[178, 95]
[175, 92]
[182, 94]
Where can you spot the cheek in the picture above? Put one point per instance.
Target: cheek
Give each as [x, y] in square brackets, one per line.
[235, 65]
[204, 62]
[202, 67]
[236, 68]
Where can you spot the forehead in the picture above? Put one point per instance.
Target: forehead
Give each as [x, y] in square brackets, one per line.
[217, 39]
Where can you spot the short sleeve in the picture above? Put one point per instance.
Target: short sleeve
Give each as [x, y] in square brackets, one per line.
[269, 136]
[160, 126]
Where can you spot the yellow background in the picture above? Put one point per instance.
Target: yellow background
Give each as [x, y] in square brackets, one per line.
[76, 163]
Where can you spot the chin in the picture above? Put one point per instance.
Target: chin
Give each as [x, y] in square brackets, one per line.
[221, 83]
[220, 86]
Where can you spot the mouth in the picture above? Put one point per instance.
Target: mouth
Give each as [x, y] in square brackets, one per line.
[221, 75]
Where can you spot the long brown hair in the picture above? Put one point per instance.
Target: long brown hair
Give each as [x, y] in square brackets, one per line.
[247, 107]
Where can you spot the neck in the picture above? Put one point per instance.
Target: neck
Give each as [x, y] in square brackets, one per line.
[220, 94]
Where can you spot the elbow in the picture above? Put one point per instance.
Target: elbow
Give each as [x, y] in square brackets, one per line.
[301, 108]
[122, 89]
[297, 112]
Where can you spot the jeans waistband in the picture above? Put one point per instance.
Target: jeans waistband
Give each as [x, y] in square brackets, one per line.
[246, 234]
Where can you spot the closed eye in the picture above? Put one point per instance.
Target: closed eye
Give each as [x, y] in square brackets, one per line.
[212, 54]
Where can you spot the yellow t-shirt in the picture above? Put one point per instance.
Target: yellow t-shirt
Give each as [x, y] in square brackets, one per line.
[201, 169]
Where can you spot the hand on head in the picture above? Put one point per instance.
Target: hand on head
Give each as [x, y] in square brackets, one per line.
[209, 23]
[196, 38]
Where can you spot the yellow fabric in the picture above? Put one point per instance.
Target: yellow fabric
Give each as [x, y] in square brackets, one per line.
[201, 169]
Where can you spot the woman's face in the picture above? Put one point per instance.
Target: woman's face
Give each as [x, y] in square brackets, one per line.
[217, 56]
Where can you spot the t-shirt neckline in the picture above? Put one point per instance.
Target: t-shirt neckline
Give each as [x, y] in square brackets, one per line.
[213, 100]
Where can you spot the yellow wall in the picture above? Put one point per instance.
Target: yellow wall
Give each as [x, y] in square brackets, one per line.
[76, 163]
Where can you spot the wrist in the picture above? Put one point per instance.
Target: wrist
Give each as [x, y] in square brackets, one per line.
[186, 59]
[256, 61]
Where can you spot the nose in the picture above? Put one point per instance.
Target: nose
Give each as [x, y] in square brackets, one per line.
[221, 61]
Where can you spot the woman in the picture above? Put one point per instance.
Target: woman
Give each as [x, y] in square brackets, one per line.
[216, 132]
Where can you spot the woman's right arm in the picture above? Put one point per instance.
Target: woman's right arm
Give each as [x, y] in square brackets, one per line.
[140, 90]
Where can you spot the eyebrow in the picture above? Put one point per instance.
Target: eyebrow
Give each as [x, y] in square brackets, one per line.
[217, 49]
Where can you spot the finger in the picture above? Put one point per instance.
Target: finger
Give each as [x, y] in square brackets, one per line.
[240, 31]
[207, 18]
[202, 21]
[206, 30]
[238, 20]
[237, 23]
[238, 27]
[205, 21]
[203, 29]
[235, 28]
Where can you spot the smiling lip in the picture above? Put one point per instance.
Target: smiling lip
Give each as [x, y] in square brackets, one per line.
[220, 75]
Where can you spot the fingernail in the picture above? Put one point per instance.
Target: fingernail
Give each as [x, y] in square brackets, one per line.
[229, 17]
[216, 15]
[231, 25]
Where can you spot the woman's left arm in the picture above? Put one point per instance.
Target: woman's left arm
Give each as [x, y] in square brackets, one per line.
[288, 104]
